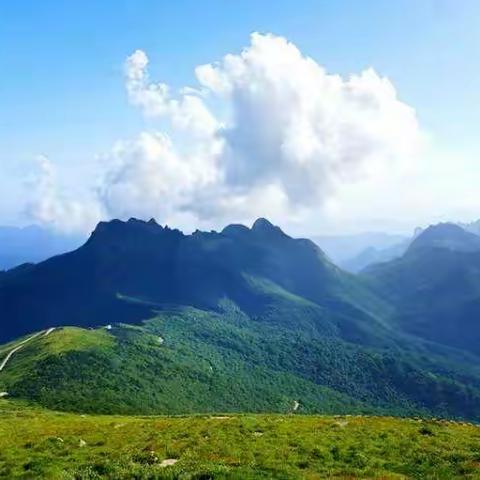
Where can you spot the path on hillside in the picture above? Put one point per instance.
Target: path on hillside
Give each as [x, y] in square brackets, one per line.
[21, 345]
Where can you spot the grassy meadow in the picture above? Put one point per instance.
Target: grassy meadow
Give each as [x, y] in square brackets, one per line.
[36, 443]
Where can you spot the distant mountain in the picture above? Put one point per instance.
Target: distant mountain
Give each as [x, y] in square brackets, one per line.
[473, 227]
[435, 286]
[246, 319]
[32, 244]
[342, 248]
[372, 255]
[355, 252]
[448, 236]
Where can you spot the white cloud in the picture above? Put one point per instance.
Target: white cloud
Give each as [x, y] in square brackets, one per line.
[49, 206]
[265, 132]
[186, 112]
[149, 177]
[287, 127]
[294, 124]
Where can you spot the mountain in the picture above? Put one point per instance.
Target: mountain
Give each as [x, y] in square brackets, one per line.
[32, 244]
[372, 255]
[447, 236]
[126, 268]
[473, 227]
[150, 320]
[343, 249]
[435, 287]
[187, 360]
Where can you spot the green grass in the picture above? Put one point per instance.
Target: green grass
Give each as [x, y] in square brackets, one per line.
[58, 343]
[72, 338]
[38, 443]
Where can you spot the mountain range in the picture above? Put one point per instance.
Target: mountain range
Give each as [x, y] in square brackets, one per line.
[147, 319]
[435, 286]
[355, 252]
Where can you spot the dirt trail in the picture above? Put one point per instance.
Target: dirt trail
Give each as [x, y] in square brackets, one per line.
[21, 345]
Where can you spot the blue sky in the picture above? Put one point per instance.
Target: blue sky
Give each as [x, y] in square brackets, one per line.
[62, 92]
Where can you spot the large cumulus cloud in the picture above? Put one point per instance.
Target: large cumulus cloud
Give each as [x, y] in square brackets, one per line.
[266, 131]
[296, 125]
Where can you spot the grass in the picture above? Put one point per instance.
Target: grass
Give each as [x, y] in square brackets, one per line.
[68, 339]
[60, 342]
[38, 443]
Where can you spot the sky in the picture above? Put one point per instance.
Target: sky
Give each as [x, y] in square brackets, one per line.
[326, 117]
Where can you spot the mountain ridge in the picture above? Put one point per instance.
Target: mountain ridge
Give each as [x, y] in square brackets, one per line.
[158, 264]
[246, 319]
[446, 235]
